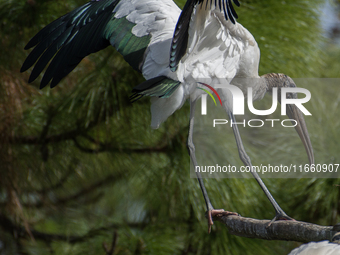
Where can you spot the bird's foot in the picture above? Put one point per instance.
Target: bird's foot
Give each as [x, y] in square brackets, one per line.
[217, 212]
[280, 216]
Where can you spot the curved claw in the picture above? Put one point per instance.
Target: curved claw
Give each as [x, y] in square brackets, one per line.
[280, 216]
[217, 212]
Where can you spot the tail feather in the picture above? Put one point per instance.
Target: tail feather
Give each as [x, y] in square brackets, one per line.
[160, 86]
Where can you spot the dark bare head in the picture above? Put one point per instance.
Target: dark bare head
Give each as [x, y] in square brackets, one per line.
[278, 80]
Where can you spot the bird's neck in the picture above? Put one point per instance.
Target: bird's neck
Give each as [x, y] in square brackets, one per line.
[274, 80]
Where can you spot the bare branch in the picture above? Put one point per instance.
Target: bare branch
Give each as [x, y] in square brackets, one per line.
[8, 226]
[84, 191]
[279, 230]
[52, 187]
[54, 138]
[113, 244]
[246, 227]
[110, 148]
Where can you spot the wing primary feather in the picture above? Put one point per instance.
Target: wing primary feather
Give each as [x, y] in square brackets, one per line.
[230, 15]
[180, 39]
[48, 54]
[43, 45]
[46, 31]
[232, 9]
[67, 40]
[77, 50]
[43, 33]
[62, 60]
[237, 3]
[225, 12]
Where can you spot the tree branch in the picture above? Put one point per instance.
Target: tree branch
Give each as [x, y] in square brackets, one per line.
[108, 147]
[297, 231]
[113, 244]
[84, 191]
[60, 183]
[279, 230]
[8, 226]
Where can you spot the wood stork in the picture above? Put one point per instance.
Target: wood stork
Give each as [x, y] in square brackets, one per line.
[317, 248]
[173, 50]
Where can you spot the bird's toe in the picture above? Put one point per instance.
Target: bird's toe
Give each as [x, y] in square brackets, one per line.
[280, 216]
[217, 213]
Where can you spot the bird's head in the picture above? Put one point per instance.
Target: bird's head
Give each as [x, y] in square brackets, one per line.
[278, 80]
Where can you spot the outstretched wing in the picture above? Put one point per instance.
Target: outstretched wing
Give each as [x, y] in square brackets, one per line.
[180, 38]
[139, 29]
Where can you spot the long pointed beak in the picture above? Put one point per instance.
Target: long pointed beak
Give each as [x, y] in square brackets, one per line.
[301, 128]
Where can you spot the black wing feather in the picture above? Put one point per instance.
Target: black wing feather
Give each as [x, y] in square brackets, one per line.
[67, 43]
[233, 12]
[181, 34]
[79, 48]
[48, 54]
[180, 38]
[38, 51]
[160, 86]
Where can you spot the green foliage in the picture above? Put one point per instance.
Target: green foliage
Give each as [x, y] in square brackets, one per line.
[79, 161]
[288, 34]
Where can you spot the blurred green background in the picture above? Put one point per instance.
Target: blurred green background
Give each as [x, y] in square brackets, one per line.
[79, 162]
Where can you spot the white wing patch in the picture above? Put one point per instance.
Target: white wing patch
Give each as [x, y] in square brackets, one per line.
[216, 46]
[158, 19]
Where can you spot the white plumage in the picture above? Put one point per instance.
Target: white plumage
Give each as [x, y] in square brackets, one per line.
[217, 49]
[317, 248]
[174, 50]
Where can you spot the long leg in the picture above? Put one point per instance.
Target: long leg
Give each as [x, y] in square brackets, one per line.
[280, 214]
[191, 147]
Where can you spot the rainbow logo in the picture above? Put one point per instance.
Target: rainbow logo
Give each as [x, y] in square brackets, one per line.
[213, 90]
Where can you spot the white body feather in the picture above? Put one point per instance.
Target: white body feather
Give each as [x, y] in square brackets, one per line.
[217, 51]
[317, 248]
